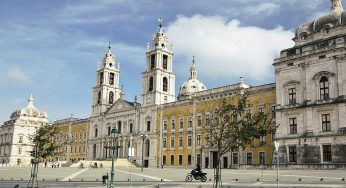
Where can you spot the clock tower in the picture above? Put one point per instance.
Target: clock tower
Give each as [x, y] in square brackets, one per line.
[158, 80]
[107, 89]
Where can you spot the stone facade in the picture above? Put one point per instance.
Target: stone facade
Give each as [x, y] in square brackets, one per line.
[311, 92]
[14, 135]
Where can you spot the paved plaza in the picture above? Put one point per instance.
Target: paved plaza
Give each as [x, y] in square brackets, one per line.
[170, 177]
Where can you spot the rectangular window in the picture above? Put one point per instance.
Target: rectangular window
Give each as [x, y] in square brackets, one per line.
[101, 78]
[173, 124]
[262, 158]
[273, 113]
[152, 61]
[234, 158]
[199, 121]
[164, 142]
[20, 139]
[85, 135]
[164, 160]
[189, 160]
[172, 142]
[19, 151]
[198, 156]
[326, 122]
[190, 122]
[207, 119]
[180, 160]
[189, 141]
[172, 159]
[180, 141]
[293, 125]
[181, 123]
[292, 154]
[249, 158]
[260, 109]
[111, 78]
[109, 131]
[198, 142]
[96, 132]
[327, 153]
[292, 96]
[148, 126]
[164, 62]
[164, 125]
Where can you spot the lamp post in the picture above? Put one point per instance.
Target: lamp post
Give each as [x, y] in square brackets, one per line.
[277, 145]
[143, 136]
[114, 131]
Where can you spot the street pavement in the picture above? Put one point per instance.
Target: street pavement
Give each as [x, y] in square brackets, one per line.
[171, 177]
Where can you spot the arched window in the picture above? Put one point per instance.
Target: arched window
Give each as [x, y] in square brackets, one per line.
[151, 83]
[164, 62]
[324, 88]
[111, 97]
[152, 61]
[147, 147]
[99, 98]
[165, 84]
[131, 128]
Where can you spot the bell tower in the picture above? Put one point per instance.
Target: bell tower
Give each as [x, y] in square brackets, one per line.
[107, 89]
[158, 80]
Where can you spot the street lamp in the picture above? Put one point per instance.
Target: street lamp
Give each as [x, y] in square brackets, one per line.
[143, 136]
[114, 131]
[277, 144]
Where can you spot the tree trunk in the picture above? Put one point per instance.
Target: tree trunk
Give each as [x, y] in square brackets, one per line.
[217, 178]
[33, 178]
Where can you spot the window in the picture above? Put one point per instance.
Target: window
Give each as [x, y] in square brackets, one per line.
[19, 151]
[261, 109]
[164, 125]
[131, 128]
[99, 97]
[164, 62]
[164, 159]
[151, 83]
[20, 139]
[198, 156]
[165, 84]
[109, 131]
[111, 97]
[173, 124]
[272, 109]
[262, 158]
[172, 159]
[152, 61]
[85, 135]
[180, 141]
[327, 153]
[293, 125]
[292, 96]
[148, 126]
[199, 121]
[164, 142]
[119, 127]
[111, 78]
[189, 122]
[249, 112]
[180, 160]
[326, 122]
[292, 154]
[249, 158]
[207, 119]
[181, 123]
[96, 132]
[234, 158]
[198, 142]
[101, 78]
[189, 141]
[262, 140]
[189, 160]
[324, 88]
[172, 142]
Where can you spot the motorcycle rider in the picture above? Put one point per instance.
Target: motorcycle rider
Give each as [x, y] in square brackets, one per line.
[197, 171]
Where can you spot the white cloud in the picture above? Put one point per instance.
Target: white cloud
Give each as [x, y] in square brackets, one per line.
[226, 49]
[263, 8]
[18, 76]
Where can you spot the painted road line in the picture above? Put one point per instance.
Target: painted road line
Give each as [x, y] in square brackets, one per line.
[74, 175]
[146, 176]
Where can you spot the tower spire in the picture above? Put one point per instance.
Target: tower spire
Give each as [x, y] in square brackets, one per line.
[31, 101]
[337, 6]
[160, 25]
[193, 70]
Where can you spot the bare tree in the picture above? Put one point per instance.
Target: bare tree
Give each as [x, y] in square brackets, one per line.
[45, 144]
[232, 127]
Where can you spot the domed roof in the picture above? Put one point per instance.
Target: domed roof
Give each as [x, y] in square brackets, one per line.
[29, 111]
[336, 17]
[192, 85]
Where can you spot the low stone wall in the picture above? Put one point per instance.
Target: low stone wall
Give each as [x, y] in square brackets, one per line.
[293, 166]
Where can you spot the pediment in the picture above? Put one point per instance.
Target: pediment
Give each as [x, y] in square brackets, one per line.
[319, 75]
[120, 105]
[291, 83]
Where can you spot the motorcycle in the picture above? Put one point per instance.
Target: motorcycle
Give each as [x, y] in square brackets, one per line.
[197, 176]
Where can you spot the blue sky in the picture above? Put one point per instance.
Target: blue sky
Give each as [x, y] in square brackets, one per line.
[51, 48]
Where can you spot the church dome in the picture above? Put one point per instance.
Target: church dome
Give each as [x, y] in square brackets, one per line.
[29, 111]
[336, 17]
[192, 85]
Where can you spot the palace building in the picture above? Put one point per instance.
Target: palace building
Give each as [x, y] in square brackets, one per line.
[311, 93]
